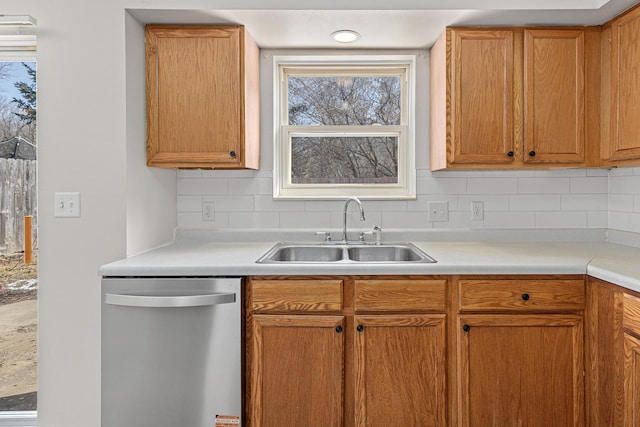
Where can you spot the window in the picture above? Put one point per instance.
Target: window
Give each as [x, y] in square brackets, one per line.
[344, 127]
[18, 280]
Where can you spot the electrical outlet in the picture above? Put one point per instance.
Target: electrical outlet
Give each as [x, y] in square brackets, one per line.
[67, 205]
[477, 211]
[438, 211]
[208, 211]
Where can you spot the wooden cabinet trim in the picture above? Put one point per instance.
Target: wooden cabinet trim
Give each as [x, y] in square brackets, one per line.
[296, 295]
[631, 380]
[399, 295]
[631, 318]
[521, 295]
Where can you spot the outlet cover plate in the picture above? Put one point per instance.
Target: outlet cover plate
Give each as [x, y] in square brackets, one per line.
[208, 211]
[477, 211]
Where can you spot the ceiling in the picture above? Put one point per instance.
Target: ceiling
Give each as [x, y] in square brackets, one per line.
[383, 24]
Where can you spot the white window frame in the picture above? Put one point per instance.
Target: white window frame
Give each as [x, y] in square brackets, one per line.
[332, 65]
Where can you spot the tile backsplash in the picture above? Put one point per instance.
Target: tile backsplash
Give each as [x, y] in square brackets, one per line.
[624, 199]
[569, 198]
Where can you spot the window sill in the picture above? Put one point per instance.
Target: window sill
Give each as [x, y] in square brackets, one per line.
[18, 418]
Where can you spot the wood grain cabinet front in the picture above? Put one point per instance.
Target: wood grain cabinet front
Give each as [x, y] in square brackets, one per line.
[515, 97]
[350, 351]
[202, 97]
[621, 89]
[631, 382]
[613, 357]
[520, 355]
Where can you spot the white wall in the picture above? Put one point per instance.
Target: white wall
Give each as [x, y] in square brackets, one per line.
[91, 140]
[512, 199]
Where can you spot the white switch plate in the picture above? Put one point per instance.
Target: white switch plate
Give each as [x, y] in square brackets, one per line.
[438, 211]
[67, 205]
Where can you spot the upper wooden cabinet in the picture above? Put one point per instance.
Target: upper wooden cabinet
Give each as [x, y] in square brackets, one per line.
[510, 97]
[472, 98]
[621, 89]
[202, 97]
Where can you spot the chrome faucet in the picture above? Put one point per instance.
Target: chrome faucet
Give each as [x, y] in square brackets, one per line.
[344, 216]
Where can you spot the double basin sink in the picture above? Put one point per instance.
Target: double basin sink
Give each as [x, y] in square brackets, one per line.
[345, 253]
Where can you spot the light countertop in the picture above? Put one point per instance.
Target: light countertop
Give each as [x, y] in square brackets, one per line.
[202, 256]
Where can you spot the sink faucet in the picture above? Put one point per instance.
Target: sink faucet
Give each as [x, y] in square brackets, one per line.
[344, 215]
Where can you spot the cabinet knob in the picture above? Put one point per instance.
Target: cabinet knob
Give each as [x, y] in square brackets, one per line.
[466, 328]
[525, 297]
[339, 329]
[510, 154]
[532, 153]
[360, 328]
[232, 153]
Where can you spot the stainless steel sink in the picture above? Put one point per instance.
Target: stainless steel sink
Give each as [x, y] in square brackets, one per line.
[294, 253]
[388, 253]
[341, 253]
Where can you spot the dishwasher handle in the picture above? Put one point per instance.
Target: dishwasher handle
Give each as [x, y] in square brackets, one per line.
[164, 301]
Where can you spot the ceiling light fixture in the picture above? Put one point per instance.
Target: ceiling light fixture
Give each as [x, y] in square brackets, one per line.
[345, 36]
[17, 21]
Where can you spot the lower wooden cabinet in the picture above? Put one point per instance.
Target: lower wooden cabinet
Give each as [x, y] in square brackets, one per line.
[450, 351]
[520, 350]
[521, 369]
[346, 352]
[631, 325]
[631, 381]
[297, 370]
[400, 370]
[613, 358]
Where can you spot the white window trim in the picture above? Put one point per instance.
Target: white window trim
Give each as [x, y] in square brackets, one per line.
[405, 188]
[18, 418]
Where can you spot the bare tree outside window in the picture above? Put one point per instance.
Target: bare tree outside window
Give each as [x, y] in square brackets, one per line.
[344, 101]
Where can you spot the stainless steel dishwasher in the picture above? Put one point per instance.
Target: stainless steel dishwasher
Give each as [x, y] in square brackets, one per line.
[171, 352]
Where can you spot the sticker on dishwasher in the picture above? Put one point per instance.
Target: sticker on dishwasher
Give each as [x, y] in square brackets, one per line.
[227, 421]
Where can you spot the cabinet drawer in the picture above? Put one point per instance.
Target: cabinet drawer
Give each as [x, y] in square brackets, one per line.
[632, 314]
[400, 295]
[521, 295]
[296, 295]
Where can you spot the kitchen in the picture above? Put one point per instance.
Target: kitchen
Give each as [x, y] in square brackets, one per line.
[128, 208]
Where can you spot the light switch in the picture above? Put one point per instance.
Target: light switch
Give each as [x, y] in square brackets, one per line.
[67, 205]
[438, 211]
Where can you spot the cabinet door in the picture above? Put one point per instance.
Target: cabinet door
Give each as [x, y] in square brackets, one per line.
[482, 96]
[554, 76]
[400, 370]
[631, 381]
[521, 370]
[625, 87]
[194, 96]
[297, 376]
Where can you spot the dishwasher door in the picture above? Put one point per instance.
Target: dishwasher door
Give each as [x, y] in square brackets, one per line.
[171, 351]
